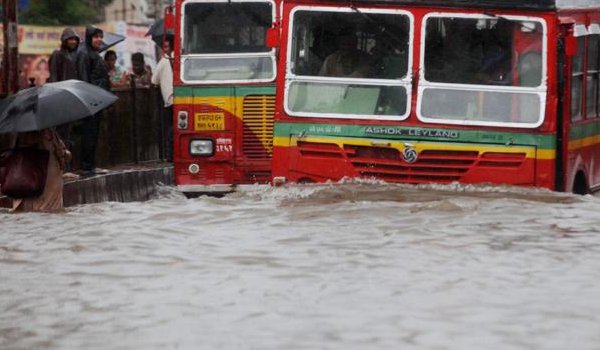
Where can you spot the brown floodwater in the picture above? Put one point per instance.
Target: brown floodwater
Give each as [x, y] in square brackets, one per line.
[360, 265]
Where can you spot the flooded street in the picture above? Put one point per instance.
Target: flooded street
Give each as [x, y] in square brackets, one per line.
[354, 266]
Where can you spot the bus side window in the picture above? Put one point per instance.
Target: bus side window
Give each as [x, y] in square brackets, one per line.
[577, 80]
[591, 105]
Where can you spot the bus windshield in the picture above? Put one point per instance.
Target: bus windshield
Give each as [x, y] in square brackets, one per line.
[483, 70]
[349, 62]
[226, 41]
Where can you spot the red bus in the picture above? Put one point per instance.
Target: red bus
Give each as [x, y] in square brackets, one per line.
[440, 91]
[224, 94]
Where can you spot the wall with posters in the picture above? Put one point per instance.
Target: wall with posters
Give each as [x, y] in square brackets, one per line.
[36, 44]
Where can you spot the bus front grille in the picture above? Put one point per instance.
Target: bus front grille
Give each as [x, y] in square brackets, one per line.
[257, 116]
[432, 165]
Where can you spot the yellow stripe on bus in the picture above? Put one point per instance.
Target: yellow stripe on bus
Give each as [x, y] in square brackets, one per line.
[584, 142]
[227, 103]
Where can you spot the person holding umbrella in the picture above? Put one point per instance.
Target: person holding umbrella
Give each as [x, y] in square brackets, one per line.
[31, 172]
[51, 198]
[91, 68]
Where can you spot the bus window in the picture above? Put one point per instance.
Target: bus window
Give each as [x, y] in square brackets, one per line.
[577, 80]
[226, 41]
[472, 50]
[341, 44]
[591, 105]
[477, 70]
[338, 55]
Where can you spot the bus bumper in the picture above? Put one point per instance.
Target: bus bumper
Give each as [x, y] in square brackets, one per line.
[192, 191]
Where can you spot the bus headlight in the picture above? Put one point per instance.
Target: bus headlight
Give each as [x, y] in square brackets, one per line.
[201, 147]
[182, 120]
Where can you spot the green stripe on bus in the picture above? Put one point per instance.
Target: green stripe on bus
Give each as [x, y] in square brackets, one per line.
[415, 133]
[581, 131]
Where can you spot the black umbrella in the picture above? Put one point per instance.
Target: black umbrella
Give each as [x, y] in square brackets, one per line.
[52, 104]
[110, 39]
[157, 28]
[157, 31]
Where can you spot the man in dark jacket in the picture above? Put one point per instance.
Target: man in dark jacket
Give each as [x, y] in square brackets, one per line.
[63, 66]
[92, 69]
[62, 61]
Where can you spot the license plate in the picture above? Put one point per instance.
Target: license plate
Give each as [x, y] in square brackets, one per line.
[209, 121]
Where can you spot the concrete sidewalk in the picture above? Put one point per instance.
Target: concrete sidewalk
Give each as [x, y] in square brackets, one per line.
[125, 183]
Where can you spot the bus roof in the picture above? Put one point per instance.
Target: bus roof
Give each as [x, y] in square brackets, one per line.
[504, 4]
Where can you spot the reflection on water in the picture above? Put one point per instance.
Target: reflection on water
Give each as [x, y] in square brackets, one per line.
[352, 266]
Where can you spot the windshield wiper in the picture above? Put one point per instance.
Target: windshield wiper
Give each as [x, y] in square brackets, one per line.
[523, 24]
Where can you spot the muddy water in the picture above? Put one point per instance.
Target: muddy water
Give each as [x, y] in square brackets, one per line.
[353, 266]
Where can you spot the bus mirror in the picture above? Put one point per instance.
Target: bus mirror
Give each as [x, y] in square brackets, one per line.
[272, 40]
[571, 46]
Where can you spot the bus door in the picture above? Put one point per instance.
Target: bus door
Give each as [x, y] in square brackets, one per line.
[579, 126]
[563, 73]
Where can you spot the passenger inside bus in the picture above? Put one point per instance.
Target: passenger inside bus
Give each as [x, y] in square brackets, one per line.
[390, 58]
[347, 60]
[322, 45]
[495, 65]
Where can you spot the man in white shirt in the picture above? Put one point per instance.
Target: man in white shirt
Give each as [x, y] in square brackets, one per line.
[164, 78]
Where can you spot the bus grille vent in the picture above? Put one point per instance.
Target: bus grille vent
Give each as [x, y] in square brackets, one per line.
[501, 159]
[319, 150]
[432, 165]
[257, 114]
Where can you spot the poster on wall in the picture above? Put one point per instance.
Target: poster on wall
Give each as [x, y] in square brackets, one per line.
[34, 70]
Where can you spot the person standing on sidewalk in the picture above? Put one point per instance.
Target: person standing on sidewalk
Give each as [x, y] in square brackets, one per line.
[91, 68]
[63, 67]
[164, 78]
[141, 73]
[118, 77]
[63, 61]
